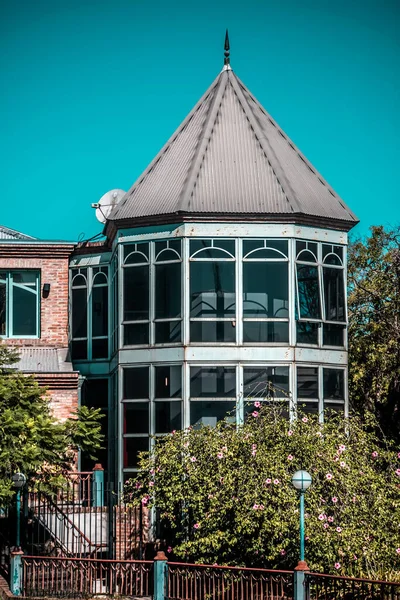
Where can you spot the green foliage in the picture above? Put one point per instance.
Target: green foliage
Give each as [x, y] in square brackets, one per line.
[31, 440]
[374, 326]
[225, 494]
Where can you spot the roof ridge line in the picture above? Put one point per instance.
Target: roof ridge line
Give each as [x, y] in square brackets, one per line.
[266, 147]
[204, 139]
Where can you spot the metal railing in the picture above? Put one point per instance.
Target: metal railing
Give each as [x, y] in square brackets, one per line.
[334, 587]
[59, 577]
[205, 582]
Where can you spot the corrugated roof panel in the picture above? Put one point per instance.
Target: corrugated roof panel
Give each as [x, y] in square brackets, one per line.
[44, 360]
[11, 234]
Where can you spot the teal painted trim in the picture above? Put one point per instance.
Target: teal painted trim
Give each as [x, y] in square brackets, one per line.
[160, 578]
[148, 230]
[301, 525]
[98, 487]
[18, 511]
[16, 573]
[299, 585]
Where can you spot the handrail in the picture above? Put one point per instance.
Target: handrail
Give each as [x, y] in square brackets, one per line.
[90, 560]
[346, 578]
[235, 568]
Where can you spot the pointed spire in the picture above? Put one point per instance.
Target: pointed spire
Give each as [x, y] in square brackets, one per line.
[227, 48]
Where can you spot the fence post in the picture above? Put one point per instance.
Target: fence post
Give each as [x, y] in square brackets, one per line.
[160, 575]
[300, 591]
[16, 572]
[98, 485]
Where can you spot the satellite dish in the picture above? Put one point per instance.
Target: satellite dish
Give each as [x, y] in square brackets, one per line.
[106, 203]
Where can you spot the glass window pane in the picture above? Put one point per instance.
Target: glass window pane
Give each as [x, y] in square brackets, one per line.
[330, 249]
[136, 383]
[266, 382]
[136, 293]
[136, 417]
[310, 408]
[136, 253]
[168, 416]
[100, 348]
[307, 382]
[209, 382]
[132, 447]
[334, 294]
[265, 289]
[311, 246]
[25, 278]
[168, 382]
[79, 313]
[212, 331]
[168, 332]
[208, 413]
[265, 331]
[79, 349]
[251, 245]
[135, 335]
[282, 405]
[307, 333]
[308, 292]
[227, 245]
[99, 311]
[95, 393]
[336, 407]
[212, 289]
[333, 384]
[333, 334]
[24, 311]
[168, 291]
[307, 256]
[3, 303]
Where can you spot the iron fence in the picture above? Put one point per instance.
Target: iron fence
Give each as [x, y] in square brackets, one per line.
[205, 582]
[61, 577]
[334, 587]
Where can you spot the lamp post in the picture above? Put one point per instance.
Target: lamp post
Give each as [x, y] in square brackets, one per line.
[301, 480]
[19, 481]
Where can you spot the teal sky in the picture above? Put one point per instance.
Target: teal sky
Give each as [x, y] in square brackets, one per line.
[91, 89]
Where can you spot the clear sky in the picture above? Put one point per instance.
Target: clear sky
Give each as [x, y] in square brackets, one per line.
[91, 90]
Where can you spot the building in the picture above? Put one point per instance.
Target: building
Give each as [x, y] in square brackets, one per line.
[221, 278]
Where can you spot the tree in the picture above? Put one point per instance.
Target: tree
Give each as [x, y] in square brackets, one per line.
[31, 440]
[224, 494]
[374, 326]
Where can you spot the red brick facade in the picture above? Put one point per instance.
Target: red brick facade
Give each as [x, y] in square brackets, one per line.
[52, 261]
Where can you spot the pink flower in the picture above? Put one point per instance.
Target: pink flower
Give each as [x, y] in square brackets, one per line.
[338, 529]
[220, 455]
[307, 538]
[305, 420]
[255, 507]
[152, 471]
[169, 549]
[224, 449]
[261, 506]
[257, 404]
[342, 447]
[290, 457]
[253, 452]
[398, 455]
[329, 476]
[282, 552]
[374, 454]
[342, 463]
[290, 432]
[354, 499]
[196, 525]
[254, 413]
[318, 434]
[322, 517]
[138, 485]
[337, 565]
[268, 481]
[398, 550]
[334, 499]
[151, 483]
[330, 519]
[253, 446]
[326, 525]
[336, 458]
[398, 472]
[145, 500]
[173, 431]
[276, 482]
[193, 458]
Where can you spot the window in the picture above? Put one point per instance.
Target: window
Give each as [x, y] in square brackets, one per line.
[212, 291]
[212, 394]
[265, 291]
[265, 384]
[168, 292]
[308, 389]
[19, 303]
[136, 294]
[334, 397]
[321, 389]
[89, 314]
[95, 395]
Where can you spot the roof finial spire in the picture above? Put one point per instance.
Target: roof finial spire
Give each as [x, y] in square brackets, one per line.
[227, 48]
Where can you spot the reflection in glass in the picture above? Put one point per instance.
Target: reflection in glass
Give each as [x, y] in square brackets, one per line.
[136, 383]
[168, 381]
[136, 417]
[265, 289]
[212, 331]
[334, 294]
[266, 382]
[212, 289]
[265, 331]
[213, 382]
[307, 382]
[132, 447]
[307, 333]
[168, 290]
[308, 292]
[168, 332]
[168, 416]
[333, 384]
[333, 334]
[208, 413]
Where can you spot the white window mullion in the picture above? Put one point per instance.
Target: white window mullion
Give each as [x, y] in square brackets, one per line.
[152, 285]
[185, 395]
[186, 292]
[239, 292]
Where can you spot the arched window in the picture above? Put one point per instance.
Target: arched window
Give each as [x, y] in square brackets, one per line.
[334, 295]
[265, 291]
[168, 292]
[136, 294]
[79, 316]
[99, 312]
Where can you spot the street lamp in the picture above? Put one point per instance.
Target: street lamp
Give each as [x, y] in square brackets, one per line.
[301, 481]
[19, 481]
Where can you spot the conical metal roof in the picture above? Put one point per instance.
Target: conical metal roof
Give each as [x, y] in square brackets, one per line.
[230, 161]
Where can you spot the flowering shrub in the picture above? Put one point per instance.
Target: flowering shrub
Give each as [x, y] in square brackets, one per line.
[224, 494]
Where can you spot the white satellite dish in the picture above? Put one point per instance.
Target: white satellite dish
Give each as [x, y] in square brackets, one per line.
[106, 203]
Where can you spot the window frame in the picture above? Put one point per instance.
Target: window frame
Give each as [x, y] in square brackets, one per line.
[9, 292]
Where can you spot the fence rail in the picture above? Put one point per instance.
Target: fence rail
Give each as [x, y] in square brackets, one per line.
[205, 582]
[60, 577]
[333, 587]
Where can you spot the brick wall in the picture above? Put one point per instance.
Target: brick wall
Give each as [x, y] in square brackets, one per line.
[62, 390]
[52, 261]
